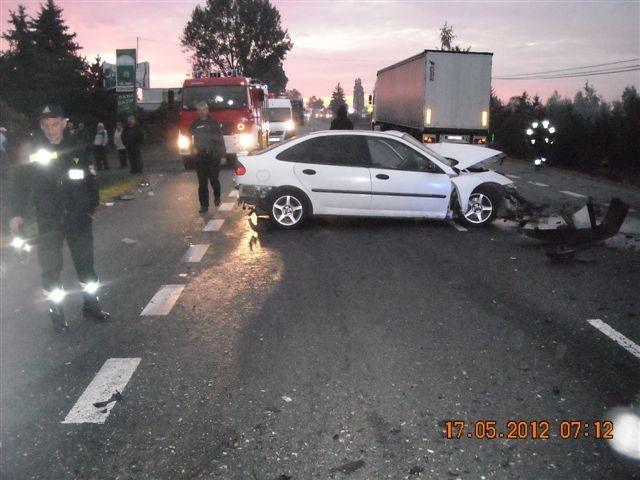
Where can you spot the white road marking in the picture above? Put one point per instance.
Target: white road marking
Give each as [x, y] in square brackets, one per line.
[617, 337]
[213, 225]
[227, 206]
[233, 193]
[538, 184]
[572, 194]
[163, 301]
[512, 176]
[194, 253]
[112, 378]
[457, 226]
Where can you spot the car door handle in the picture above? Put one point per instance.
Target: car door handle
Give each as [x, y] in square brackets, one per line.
[308, 171]
[382, 176]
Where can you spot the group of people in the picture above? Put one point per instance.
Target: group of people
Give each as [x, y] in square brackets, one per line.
[127, 140]
[60, 180]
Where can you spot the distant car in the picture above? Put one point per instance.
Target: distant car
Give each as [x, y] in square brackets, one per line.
[370, 174]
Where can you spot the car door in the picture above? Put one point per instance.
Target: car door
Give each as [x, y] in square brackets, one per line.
[405, 182]
[333, 170]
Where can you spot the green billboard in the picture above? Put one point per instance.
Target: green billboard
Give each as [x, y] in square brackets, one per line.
[126, 70]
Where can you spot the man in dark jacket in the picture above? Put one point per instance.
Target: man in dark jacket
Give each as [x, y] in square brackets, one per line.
[209, 149]
[132, 137]
[341, 122]
[61, 182]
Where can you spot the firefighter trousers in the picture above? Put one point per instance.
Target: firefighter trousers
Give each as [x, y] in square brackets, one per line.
[79, 236]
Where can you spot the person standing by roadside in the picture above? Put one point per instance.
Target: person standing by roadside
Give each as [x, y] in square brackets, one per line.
[209, 149]
[61, 182]
[100, 147]
[120, 148]
[341, 122]
[132, 137]
[82, 135]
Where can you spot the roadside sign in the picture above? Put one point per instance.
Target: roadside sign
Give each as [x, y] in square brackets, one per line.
[126, 102]
[126, 70]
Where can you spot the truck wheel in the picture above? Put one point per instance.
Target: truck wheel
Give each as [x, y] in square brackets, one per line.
[288, 209]
[482, 207]
[189, 163]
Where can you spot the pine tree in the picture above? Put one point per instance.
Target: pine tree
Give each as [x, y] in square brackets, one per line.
[42, 64]
[337, 99]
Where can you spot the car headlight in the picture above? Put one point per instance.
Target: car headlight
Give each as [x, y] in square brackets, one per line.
[246, 140]
[289, 125]
[184, 142]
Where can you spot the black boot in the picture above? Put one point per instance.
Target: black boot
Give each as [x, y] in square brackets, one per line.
[57, 317]
[91, 308]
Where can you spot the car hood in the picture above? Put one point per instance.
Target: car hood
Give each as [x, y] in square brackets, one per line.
[466, 156]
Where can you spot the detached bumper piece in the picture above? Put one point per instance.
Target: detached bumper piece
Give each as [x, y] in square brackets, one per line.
[580, 230]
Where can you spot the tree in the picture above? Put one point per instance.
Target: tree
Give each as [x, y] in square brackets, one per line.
[446, 37]
[244, 36]
[446, 40]
[42, 64]
[337, 99]
[294, 94]
[315, 103]
[358, 97]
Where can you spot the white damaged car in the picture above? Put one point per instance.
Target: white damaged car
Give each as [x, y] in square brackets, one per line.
[371, 174]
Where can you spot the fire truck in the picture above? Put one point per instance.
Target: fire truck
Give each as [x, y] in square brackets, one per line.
[238, 103]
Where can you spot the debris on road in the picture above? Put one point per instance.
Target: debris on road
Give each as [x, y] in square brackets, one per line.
[129, 241]
[127, 197]
[348, 468]
[287, 399]
[109, 204]
[114, 398]
[579, 230]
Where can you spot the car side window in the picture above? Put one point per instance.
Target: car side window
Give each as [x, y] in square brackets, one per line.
[391, 154]
[342, 150]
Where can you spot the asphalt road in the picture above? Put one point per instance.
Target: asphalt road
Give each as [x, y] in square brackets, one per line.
[336, 351]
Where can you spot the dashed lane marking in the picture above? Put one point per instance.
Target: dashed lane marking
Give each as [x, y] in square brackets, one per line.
[213, 225]
[457, 226]
[97, 401]
[163, 301]
[233, 193]
[617, 337]
[227, 206]
[194, 253]
[573, 194]
[513, 176]
[538, 184]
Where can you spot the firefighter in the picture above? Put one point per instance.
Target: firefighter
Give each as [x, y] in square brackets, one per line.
[61, 182]
[540, 134]
[209, 149]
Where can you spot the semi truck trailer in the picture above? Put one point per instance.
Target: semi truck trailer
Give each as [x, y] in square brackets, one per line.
[436, 96]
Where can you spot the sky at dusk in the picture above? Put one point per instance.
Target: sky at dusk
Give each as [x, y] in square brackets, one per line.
[339, 41]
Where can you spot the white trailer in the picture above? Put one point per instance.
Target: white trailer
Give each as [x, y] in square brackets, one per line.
[437, 96]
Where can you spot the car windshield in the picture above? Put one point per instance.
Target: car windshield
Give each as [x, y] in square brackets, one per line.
[217, 96]
[415, 142]
[279, 114]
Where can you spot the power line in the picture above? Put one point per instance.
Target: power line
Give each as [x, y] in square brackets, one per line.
[627, 68]
[522, 75]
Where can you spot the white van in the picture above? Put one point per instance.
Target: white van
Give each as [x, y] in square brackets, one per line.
[281, 124]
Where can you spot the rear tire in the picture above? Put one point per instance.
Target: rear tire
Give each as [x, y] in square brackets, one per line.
[289, 209]
[482, 208]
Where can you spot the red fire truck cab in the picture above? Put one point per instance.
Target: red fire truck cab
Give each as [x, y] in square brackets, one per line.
[238, 103]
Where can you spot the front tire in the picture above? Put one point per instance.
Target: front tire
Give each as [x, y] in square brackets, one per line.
[482, 207]
[288, 209]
